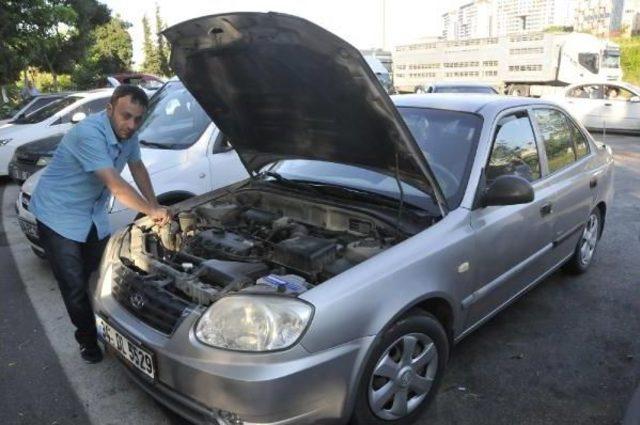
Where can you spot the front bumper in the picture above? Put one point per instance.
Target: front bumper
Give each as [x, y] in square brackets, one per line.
[21, 171]
[204, 384]
[26, 218]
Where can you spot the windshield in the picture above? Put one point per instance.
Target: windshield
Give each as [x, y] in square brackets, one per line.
[447, 138]
[47, 111]
[611, 59]
[174, 119]
[464, 89]
[589, 61]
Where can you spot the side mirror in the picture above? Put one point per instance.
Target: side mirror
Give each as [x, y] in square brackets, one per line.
[77, 117]
[508, 190]
[634, 99]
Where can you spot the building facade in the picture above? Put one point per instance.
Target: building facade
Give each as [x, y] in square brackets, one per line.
[599, 17]
[497, 18]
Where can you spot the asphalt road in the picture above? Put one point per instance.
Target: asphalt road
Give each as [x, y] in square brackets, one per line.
[565, 353]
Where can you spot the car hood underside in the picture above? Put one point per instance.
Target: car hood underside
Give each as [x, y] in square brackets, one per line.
[280, 87]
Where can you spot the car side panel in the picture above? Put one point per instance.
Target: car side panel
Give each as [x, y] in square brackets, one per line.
[438, 262]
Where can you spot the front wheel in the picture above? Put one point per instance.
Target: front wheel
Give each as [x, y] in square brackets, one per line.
[586, 247]
[403, 372]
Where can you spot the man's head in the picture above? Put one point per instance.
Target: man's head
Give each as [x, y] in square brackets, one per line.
[125, 109]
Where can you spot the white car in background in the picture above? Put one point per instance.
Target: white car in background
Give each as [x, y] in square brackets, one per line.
[610, 106]
[55, 118]
[185, 153]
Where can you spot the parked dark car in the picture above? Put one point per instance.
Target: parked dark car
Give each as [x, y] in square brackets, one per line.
[32, 157]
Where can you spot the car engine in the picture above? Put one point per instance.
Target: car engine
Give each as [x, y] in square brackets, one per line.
[256, 240]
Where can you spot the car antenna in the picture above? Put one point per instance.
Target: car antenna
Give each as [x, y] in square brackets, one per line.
[401, 194]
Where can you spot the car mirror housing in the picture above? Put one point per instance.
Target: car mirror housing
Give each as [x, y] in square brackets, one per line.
[508, 190]
[634, 99]
[78, 116]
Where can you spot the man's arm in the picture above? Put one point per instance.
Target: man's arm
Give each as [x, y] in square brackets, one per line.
[128, 196]
[141, 177]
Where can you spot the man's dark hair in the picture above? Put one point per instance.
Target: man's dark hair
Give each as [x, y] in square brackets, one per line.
[137, 95]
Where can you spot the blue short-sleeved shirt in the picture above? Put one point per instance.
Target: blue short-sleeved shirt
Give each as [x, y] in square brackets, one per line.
[69, 197]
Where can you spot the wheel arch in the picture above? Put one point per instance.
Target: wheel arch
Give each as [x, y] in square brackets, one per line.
[437, 304]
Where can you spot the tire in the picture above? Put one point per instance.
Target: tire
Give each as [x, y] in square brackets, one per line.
[405, 388]
[586, 247]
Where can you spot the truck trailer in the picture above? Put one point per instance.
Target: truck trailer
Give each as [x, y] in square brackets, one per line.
[529, 64]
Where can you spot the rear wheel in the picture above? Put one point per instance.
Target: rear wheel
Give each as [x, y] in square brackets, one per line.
[403, 372]
[586, 247]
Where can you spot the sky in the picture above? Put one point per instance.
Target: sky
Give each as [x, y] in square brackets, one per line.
[359, 22]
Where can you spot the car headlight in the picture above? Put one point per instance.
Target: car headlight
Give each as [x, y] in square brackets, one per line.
[43, 161]
[254, 323]
[4, 141]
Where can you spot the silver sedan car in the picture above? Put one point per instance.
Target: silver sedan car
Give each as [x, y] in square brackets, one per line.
[373, 234]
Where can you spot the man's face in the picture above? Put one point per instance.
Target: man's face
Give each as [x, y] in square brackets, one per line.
[125, 117]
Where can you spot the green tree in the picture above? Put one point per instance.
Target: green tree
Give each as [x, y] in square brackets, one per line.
[162, 45]
[25, 27]
[151, 63]
[60, 45]
[110, 52]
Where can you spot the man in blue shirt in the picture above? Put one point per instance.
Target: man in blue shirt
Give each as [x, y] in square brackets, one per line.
[70, 201]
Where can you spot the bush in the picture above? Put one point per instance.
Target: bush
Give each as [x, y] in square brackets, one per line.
[630, 59]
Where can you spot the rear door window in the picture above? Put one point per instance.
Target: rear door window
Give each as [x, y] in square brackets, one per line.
[514, 149]
[579, 140]
[557, 138]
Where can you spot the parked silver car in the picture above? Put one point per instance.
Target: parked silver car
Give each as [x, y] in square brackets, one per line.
[372, 235]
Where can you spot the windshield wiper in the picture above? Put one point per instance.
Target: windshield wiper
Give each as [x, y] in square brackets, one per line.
[157, 145]
[287, 182]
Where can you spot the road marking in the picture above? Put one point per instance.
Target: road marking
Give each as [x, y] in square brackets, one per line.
[107, 393]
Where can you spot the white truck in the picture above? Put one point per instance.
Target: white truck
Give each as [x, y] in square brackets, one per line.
[529, 64]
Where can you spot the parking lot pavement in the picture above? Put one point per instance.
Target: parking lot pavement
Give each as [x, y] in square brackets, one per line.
[566, 352]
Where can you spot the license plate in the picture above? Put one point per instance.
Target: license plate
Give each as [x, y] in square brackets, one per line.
[29, 228]
[19, 174]
[130, 351]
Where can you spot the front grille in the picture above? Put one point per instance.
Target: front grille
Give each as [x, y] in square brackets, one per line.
[147, 301]
[25, 159]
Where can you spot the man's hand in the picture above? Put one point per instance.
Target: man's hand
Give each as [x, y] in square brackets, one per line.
[160, 215]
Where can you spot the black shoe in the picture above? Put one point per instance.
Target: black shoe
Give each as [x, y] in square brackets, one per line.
[90, 353]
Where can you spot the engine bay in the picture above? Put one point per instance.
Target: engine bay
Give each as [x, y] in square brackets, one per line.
[261, 241]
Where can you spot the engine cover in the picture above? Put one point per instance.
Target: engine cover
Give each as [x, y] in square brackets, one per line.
[306, 254]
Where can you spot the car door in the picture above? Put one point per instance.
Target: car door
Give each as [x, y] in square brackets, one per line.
[225, 165]
[621, 108]
[569, 175]
[586, 102]
[512, 242]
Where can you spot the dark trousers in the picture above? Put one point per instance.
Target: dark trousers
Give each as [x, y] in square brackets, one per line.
[72, 264]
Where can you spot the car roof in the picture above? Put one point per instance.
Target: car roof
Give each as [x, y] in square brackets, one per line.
[460, 84]
[473, 103]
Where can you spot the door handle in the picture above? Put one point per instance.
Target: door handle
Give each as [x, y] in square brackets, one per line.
[607, 104]
[546, 209]
[202, 175]
[593, 182]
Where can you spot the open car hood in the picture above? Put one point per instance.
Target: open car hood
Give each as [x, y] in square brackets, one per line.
[281, 87]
